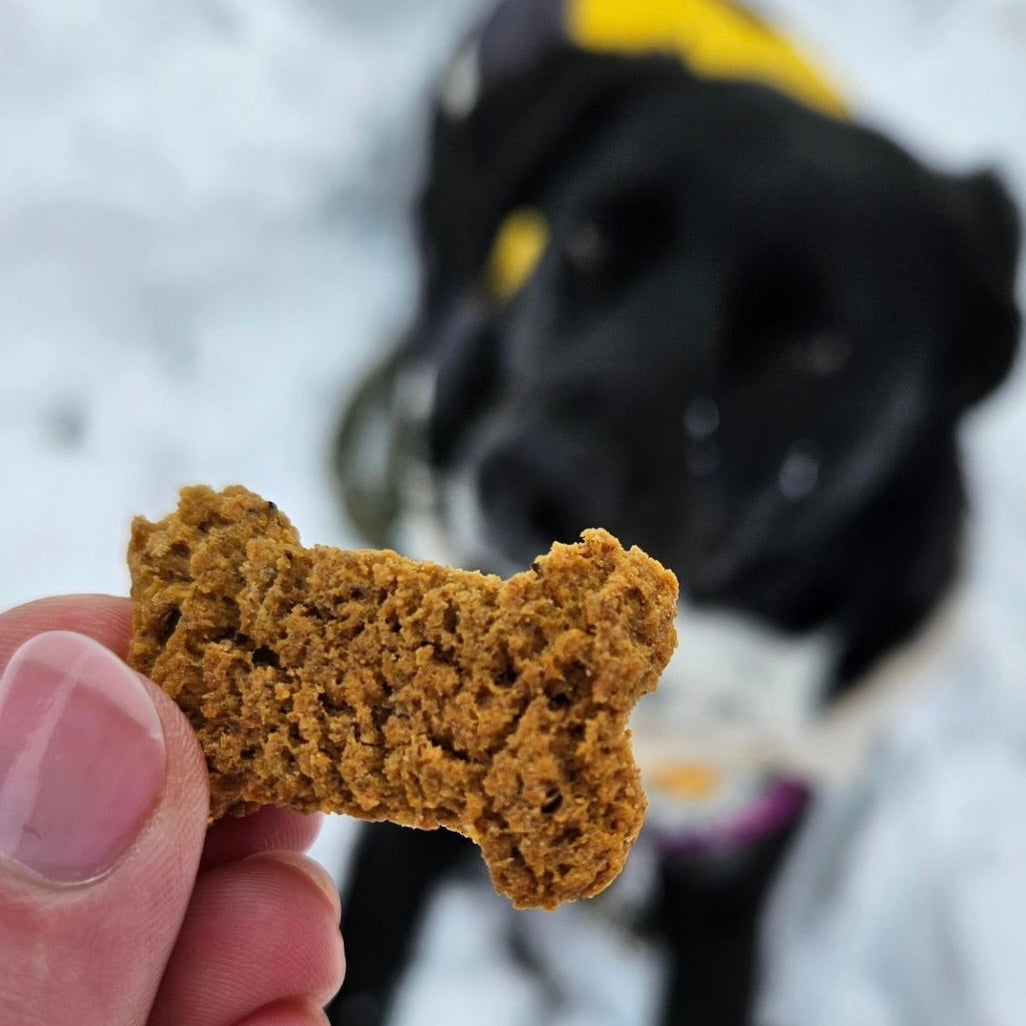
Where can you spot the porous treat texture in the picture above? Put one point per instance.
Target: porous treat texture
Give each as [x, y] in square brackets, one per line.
[366, 683]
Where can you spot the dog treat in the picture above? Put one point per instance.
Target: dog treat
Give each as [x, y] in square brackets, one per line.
[370, 684]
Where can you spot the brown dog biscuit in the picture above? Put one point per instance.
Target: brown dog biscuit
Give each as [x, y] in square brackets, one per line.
[365, 683]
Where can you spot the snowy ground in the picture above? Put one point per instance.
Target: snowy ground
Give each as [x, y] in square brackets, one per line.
[202, 243]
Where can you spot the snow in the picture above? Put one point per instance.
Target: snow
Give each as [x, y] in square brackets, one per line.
[202, 243]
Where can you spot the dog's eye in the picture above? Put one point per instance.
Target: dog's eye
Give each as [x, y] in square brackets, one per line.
[619, 236]
[586, 248]
[819, 355]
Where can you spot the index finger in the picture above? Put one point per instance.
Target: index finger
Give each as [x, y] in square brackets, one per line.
[105, 618]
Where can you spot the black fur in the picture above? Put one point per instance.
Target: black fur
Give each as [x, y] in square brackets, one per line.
[812, 287]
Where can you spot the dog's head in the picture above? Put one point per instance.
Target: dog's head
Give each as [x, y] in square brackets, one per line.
[750, 326]
[742, 337]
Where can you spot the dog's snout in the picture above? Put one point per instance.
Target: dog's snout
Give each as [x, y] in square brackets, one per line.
[525, 500]
[539, 485]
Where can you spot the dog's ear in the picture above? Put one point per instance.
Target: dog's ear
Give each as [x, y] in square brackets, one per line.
[988, 235]
[514, 100]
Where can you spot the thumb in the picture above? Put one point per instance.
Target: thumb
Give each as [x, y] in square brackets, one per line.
[103, 807]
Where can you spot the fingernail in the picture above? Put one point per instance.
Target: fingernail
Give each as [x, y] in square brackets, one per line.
[82, 758]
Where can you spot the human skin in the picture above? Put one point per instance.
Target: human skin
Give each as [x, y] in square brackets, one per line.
[141, 914]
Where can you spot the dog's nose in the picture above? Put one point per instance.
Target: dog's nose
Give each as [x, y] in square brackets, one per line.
[540, 486]
[523, 504]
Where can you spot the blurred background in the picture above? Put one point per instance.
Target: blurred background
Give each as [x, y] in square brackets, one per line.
[204, 242]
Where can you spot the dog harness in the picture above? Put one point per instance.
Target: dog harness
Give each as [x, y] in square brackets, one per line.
[714, 38]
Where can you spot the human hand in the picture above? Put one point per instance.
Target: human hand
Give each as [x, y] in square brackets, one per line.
[118, 907]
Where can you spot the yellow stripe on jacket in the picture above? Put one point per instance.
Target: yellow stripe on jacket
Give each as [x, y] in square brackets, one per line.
[714, 38]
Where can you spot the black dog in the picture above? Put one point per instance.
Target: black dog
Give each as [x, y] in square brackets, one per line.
[741, 335]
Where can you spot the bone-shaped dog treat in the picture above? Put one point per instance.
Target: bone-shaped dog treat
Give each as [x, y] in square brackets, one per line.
[365, 683]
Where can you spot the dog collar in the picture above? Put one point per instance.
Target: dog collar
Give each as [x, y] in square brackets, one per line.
[714, 38]
[776, 809]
